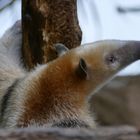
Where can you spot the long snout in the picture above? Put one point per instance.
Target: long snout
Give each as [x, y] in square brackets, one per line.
[127, 52]
[134, 48]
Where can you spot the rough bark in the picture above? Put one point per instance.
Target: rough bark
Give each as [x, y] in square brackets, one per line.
[46, 22]
[101, 133]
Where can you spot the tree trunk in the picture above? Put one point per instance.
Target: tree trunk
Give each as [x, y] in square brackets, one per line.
[46, 22]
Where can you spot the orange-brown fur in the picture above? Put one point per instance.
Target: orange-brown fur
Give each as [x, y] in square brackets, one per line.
[49, 93]
[59, 85]
[56, 94]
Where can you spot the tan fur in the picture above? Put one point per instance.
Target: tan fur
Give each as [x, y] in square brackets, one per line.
[59, 91]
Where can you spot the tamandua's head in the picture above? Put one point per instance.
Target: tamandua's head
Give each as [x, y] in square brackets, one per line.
[60, 88]
[98, 62]
[102, 60]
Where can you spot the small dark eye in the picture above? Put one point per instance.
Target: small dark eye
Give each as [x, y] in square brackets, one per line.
[111, 59]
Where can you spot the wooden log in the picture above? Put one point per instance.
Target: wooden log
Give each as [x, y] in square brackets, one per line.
[101, 133]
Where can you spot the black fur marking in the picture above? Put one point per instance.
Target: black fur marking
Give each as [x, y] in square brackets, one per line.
[71, 124]
[7, 96]
[81, 70]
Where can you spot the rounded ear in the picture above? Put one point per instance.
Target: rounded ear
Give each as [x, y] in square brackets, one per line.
[81, 70]
[60, 49]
